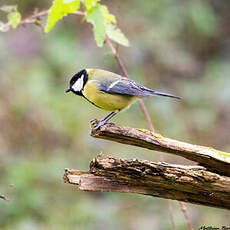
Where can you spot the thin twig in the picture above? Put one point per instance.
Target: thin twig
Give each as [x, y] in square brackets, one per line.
[184, 210]
[147, 117]
[34, 18]
[3, 197]
[125, 73]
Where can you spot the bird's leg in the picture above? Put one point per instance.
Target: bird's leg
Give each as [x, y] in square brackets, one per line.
[95, 120]
[108, 117]
[104, 120]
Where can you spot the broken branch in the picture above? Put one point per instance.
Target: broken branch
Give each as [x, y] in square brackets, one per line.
[192, 184]
[214, 160]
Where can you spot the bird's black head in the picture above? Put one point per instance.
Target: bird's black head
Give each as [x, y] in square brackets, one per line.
[78, 82]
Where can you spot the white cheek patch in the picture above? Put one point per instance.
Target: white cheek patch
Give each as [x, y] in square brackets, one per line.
[78, 85]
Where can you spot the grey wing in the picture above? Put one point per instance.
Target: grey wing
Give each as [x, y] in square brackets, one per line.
[125, 86]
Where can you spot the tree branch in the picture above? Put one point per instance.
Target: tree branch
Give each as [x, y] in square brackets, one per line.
[214, 160]
[193, 184]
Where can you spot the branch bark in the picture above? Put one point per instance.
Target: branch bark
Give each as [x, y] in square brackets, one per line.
[214, 160]
[192, 184]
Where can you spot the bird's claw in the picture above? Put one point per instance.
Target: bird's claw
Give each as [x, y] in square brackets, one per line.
[96, 124]
[94, 121]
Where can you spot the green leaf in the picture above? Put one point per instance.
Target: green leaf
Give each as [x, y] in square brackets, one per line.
[90, 4]
[95, 17]
[108, 18]
[116, 35]
[14, 18]
[58, 10]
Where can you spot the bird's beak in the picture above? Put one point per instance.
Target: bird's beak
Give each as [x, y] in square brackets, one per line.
[68, 90]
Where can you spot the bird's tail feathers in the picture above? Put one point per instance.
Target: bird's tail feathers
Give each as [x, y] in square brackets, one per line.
[163, 94]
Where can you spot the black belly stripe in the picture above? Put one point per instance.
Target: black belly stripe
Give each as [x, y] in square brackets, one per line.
[91, 102]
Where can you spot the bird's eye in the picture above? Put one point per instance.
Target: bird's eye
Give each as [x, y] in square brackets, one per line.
[71, 82]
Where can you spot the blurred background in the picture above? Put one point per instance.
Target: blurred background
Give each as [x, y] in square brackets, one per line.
[179, 47]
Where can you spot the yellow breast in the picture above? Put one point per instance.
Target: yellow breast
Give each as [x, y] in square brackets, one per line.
[106, 101]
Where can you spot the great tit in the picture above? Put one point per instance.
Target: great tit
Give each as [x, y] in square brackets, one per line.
[109, 91]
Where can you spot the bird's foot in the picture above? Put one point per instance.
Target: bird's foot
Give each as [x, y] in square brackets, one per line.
[96, 124]
[94, 121]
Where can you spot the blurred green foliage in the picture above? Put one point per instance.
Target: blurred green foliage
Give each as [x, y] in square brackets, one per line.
[13, 17]
[180, 47]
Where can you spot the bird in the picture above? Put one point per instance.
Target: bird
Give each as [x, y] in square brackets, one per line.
[109, 91]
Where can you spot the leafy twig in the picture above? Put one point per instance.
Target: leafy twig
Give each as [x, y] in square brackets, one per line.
[147, 118]
[34, 18]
